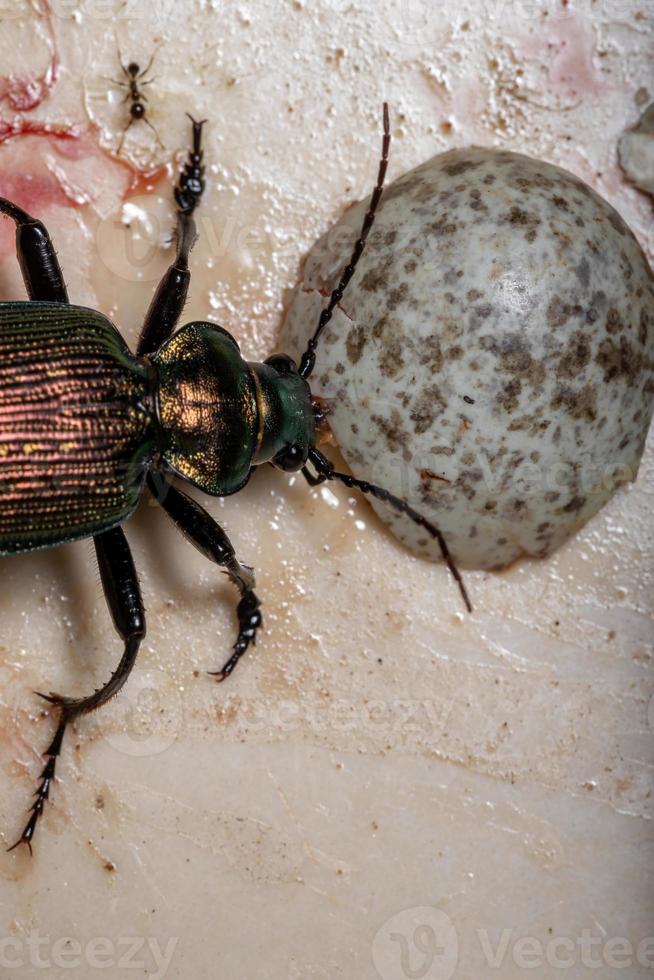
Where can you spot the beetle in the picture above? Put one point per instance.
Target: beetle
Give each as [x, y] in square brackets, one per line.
[87, 426]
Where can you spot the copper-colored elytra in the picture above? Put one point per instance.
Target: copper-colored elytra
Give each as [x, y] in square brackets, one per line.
[67, 443]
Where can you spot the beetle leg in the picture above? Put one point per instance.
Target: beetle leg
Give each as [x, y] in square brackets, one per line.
[169, 299]
[208, 537]
[36, 255]
[314, 480]
[121, 588]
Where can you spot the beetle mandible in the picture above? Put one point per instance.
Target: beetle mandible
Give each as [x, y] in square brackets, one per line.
[86, 426]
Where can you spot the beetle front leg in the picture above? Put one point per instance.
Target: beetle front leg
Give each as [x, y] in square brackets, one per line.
[38, 261]
[208, 537]
[121, 589]
[169, 299]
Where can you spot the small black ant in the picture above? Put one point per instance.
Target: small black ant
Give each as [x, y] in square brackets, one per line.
[136, 81]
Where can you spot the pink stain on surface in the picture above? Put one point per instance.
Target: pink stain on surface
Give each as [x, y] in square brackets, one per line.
[566, 43]
[47, 163]
[25, 92]
[29, 127]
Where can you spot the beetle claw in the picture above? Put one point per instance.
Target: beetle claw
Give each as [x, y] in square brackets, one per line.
[51, 698]
[21, 840]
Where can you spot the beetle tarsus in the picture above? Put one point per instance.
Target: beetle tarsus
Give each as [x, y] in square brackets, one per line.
[249, 621]
[42, 792]
[121, 589]
[205, 534]
[191, 180]
[168, 301]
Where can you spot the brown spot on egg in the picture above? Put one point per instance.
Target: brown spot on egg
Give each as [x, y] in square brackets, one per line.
[507, 398]
[614, 323]
[460, 167]
[393, 430]
[643, 327]
[580, 404]
[576, 355]
[428, 405]
[558, 313]
[619, 360]
[356, 341]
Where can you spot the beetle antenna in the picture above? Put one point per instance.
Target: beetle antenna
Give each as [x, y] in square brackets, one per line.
[308, 360]
[325, 470]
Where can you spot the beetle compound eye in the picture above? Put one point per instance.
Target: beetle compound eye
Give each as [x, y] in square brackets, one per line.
[290, 459]
[282, 363]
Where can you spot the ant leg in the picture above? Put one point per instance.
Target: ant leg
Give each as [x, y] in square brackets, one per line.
[121, 589]
[148, 123]
[122, 64]
[114, 81]
[122, 138]
[36, 255]
[169, 299]
[147, 68]
[208, 537]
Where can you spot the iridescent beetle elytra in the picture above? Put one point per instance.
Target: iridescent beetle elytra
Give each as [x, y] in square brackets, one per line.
[102, 424]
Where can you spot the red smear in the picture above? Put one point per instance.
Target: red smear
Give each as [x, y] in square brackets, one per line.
[566, 44]
[26, 92]
[143, 181]
[37, 192]
[33, 194]
[28, 127]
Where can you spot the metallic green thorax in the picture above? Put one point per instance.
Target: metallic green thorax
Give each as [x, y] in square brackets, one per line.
[219, 415]
[76, 433]
[285, 412]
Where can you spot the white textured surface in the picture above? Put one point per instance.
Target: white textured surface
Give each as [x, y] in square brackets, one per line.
[380, 752]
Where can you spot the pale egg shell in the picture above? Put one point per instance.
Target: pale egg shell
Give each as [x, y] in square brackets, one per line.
[492, 358]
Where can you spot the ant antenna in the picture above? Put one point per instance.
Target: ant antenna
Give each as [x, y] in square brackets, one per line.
[326, 471]
[308, 360]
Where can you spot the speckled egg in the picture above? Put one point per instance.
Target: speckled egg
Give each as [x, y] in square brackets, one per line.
[492, 359]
